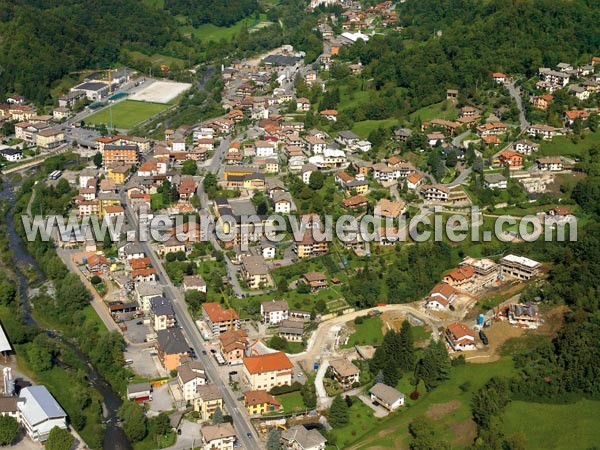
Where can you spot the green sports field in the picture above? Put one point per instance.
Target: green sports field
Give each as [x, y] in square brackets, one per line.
[126, 114]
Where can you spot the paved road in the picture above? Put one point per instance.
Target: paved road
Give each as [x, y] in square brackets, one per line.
[241, 420]
[515, 93]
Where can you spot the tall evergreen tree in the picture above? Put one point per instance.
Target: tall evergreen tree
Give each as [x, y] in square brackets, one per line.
[407, 347]
[338, 413]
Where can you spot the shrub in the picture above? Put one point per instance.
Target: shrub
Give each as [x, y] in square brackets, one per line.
[414, 395]
[359, 320]
[286, 389]
[96, 280]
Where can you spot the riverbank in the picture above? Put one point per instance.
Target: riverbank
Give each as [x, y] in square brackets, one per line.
[48, 347]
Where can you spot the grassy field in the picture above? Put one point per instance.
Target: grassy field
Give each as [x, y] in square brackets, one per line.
[210, 32]
[126, 114]
[367, 333]
[291, 402]
[440, 110]
[448, 405]
[157, 59]
[363, 128]
[547, 427]
[563, 145]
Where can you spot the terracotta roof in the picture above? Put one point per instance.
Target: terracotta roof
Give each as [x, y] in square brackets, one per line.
[252, 398]
[217, 314]
[271, 362]
[461, 273]
[458, 331]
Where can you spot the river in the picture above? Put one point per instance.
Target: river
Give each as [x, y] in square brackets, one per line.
[22, 260]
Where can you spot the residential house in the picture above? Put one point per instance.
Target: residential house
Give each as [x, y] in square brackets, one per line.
[233, 344]
[171, 346]
[39, 413]
[459, 277]
[208, 398]
[510, 158]
[545, 132]
[401, 134]
[306, 171]
[260, 402]
[274, 311]
[50, 138]
[329, 114]
[460, 337]
[190, 375]
[316, 280]
[441, 296]
[576, 114]
[145, 292]
[147, 275]
[11, 154]
[265, 149]
[218, 437]
[255, 272]
[303, 104]
[344, 372]
[283, 202]
[267, 371]
[291, 330]
[299, 438]
[218, 319]
[8, 407]
[525, 147]
[542, 102]
[494, 181]
[414, 180]
[162, 312]
[437, 192]
[550, 163]
[356, 201]
[386, 396]
[435, 138]
[499, 77]
[492, 129]
[388, 209]
[194, 283]
[347, 138]
[308, 246]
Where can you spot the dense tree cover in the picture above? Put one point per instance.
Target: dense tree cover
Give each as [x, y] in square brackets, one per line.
[134, 421]
[395, 355]
[43, 41]
[434, 365]
[448, 44]
[423, 435]
[59, 439]
[9, 429]
[218, 12]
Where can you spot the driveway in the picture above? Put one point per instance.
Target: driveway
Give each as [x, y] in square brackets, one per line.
[378, 411]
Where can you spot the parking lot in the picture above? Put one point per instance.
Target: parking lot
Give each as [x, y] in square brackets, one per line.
[137, 330]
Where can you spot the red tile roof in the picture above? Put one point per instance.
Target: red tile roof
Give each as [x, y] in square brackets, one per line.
[271, 362]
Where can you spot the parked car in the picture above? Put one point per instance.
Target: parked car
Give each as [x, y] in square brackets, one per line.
[483, 337]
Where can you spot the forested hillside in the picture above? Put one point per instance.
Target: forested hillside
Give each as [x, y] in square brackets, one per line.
[43, 40]
[458, 43]
[217, 12]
